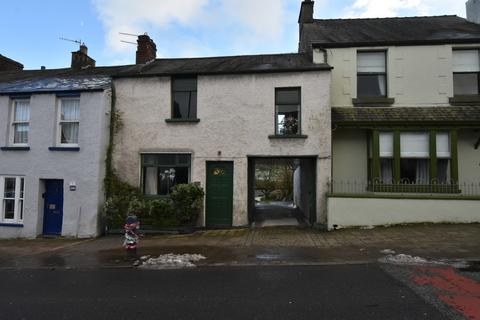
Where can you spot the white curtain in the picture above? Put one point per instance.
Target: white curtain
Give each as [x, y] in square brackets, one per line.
[70, 133]
[70, 113]
[70, 110]
[21, 126]
[22, 111]
[151, 181]
[382, 85]
[386, 171]
[422, 172]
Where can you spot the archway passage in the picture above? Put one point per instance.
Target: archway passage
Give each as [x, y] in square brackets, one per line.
[282, 191]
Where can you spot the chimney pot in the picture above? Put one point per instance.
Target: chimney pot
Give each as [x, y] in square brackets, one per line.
[146, 50]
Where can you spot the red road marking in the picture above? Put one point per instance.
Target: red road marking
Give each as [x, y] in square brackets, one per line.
[459, 292]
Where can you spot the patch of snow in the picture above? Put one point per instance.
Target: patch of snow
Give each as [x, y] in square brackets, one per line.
[387, 251]
[170, 261]
[405, 259]
[367, 227]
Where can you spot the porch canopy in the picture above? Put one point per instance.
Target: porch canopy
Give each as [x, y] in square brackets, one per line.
[423, 117]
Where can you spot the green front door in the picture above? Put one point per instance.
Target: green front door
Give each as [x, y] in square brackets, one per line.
[219, 201]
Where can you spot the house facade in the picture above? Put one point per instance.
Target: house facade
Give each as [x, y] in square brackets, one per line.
[208, 120]
[54, 133]
[405, 117]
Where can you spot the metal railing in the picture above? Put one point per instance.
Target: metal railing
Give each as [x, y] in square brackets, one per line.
[362, 187]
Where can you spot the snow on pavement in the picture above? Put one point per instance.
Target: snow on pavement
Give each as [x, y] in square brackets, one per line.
[169, 261]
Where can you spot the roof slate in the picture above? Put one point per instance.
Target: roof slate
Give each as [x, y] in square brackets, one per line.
[348, 115]
[407, 30]
[229, 65]
[97, 78]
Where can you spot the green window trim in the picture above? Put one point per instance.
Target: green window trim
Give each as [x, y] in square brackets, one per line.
[376, 184]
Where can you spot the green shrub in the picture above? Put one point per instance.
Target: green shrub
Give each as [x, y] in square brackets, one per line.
[187, 200]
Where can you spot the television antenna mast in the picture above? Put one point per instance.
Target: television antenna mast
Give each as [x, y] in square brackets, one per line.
[75, 41]
[130, 35]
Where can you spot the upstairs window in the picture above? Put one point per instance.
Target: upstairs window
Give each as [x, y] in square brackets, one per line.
[69, 121]
[21, 122]
[161, 172]
[466, 71]
[371, 74]
[287, 111]
[184, 96]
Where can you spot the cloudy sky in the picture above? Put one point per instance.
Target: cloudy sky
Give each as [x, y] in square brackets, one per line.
[30, 29]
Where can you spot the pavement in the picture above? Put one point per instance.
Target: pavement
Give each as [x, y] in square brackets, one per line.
[246, 247]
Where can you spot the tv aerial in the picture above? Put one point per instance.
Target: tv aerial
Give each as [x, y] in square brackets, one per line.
[74, 41]
[131, 35]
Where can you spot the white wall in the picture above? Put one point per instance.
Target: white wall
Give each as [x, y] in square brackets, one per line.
[416, 75]
[236, 117]
[355, 212]
[85, 168]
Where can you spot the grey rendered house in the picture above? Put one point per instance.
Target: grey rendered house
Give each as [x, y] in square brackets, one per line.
[209, 120]
[53, 137]
[405, 117]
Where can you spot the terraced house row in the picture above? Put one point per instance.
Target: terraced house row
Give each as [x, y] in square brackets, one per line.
[378, 120]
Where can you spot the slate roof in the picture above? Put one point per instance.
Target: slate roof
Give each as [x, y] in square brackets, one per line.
[229, 65]
[29, 81]
[411, 115]
[390, 31]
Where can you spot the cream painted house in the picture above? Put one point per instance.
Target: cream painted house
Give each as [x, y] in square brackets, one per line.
[405, 117]
[208, 120]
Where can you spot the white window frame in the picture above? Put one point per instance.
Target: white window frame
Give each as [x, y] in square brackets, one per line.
[18, 197]
[13, 123]
[60, 122]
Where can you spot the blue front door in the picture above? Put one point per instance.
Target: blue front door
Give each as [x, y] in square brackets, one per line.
[53, 210]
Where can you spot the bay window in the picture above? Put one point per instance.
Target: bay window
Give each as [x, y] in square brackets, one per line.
[371, 74]
[12, 190]
[400, 158]
[161, 172]
[466, 71]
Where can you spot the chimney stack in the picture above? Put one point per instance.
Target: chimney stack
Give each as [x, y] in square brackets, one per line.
[306, 12]
[473, 11]
[7, 64]
[146, 50]
[81, 60]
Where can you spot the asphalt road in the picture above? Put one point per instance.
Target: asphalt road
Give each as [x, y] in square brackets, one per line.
[310, 292]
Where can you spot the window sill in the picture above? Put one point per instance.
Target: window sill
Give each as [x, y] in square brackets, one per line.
[470, 100]
[373, 102]
[12, 225]
[15, 148]
[287, 136]
[75, 149]
[196, 120]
